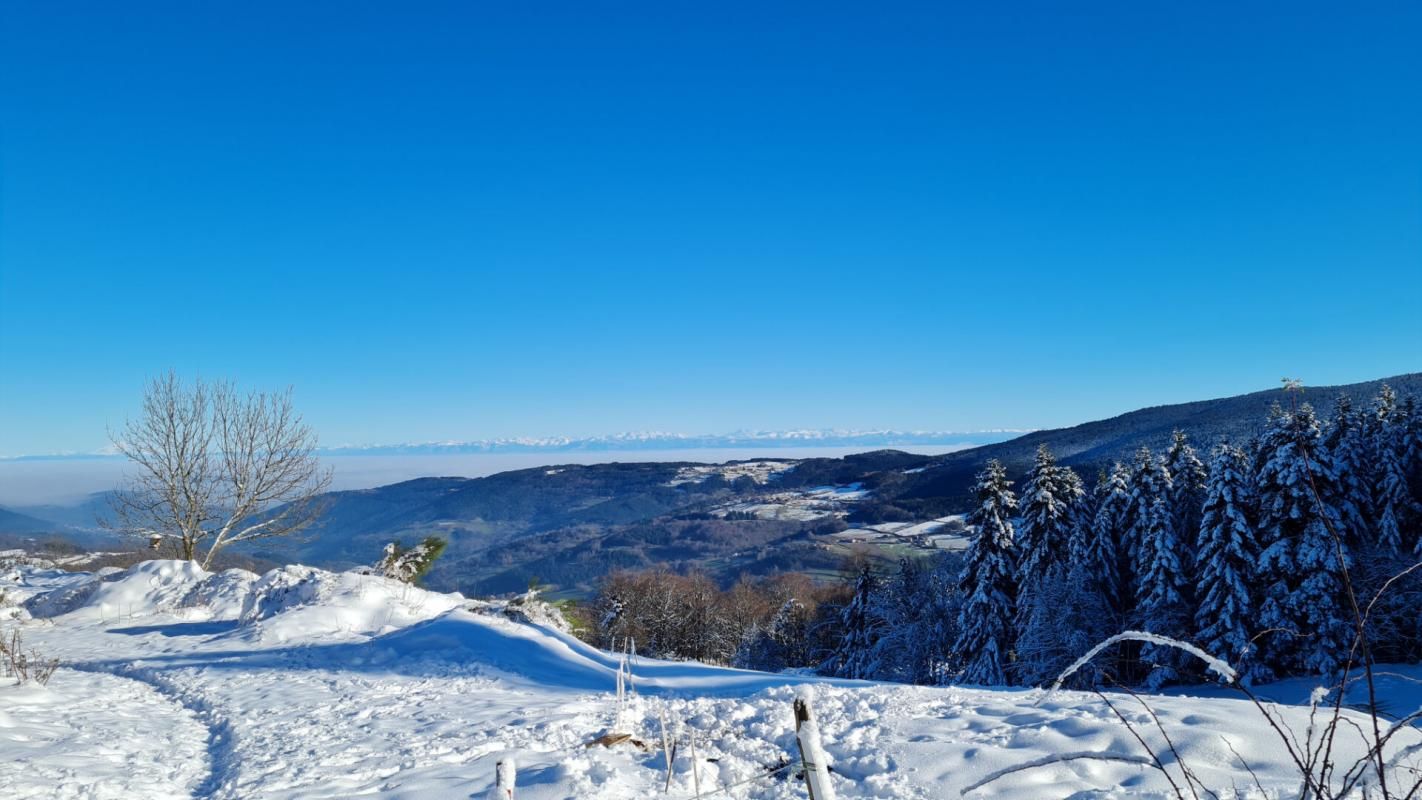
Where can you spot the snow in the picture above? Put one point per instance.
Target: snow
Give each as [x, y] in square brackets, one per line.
[308, 684]
[761, 472]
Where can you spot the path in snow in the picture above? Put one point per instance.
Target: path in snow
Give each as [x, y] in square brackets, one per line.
[98, 736]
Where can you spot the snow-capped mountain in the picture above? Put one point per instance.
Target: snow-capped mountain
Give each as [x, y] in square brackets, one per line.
[659, 440]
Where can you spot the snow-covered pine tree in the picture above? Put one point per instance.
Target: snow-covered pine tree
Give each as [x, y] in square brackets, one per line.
[1160, 596]
[1410, 420]
[1065, 618]
[1106, 554]
[1384, 413]
[781, 643]
[1299, 565]
[410, 565]
[861, 624]
[1080, 510]
[1226, 552]
[918, 611]
[1150, 481]
[1187, 486]
[1045, 527]
[1392, 501]
[1346, 446]
[988, 581]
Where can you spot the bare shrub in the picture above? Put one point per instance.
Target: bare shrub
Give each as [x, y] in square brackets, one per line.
[25, 665]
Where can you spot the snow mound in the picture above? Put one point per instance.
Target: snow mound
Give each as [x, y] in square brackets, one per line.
[141, 590]
[223, 595]
[298, 602]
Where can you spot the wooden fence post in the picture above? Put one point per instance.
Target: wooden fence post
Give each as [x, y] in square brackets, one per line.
[695, 775]
[812, 754]
[666, 747]
[504, 774]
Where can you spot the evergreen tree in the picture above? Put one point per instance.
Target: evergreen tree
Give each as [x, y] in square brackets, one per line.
[1393, 503]
[919, 610]
[1079, 514]
[1064, 619]
[781, 643]
[861, 625]
[410, 565]
[1226, 552]
[1187, 485]
[1106, 555]
[985, 624]
[1149, 482]
[1161, 593]
[1410, 422]
[1346, 446]
[1046, 525]
[1300, 562]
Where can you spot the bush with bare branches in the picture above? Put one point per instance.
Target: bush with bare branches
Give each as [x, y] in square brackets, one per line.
[24, 665]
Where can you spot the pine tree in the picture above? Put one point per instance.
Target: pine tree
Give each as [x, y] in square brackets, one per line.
[1079, 515]
[410, 565]
[919, 610]
[1187, 484]
[1161, 593]
[1346, 446]
[1047, 521]
[861, 624]
[1300, 561]
[1149, 482]
[1410, 421]
[1226, 553]
[1106, 556]
[1393, 502]
[1065, 618]
[988, 581]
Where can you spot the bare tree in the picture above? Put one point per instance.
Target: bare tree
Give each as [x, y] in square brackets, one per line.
[212, 467]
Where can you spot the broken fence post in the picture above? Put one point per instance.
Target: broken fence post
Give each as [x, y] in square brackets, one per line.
[812, 754]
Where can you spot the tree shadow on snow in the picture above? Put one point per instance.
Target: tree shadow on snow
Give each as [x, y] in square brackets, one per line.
[210, 628]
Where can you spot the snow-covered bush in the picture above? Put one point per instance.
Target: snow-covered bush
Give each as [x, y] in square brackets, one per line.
[409, 566]
[223, 594]
[281, 589]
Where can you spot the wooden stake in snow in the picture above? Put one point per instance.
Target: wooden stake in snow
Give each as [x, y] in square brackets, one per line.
[666, 747]
[504, 774]
[812, 754]
[695, 776]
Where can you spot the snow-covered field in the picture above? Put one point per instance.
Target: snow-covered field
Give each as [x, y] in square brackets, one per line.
[302, 683]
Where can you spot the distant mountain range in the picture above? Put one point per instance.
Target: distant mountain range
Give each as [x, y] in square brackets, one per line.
[681, 441]
[740, 440]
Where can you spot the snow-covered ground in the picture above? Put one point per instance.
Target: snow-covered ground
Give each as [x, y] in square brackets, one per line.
[302, 683]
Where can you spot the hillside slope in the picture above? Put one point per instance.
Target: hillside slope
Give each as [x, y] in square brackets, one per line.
[943, 488]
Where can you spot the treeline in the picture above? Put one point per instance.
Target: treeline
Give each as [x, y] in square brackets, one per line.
[1265, 553]
[773, 623]
[1267, 558]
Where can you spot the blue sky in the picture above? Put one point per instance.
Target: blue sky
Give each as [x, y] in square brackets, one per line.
[471, 220]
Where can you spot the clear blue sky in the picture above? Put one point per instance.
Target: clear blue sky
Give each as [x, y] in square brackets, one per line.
[468, 220]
